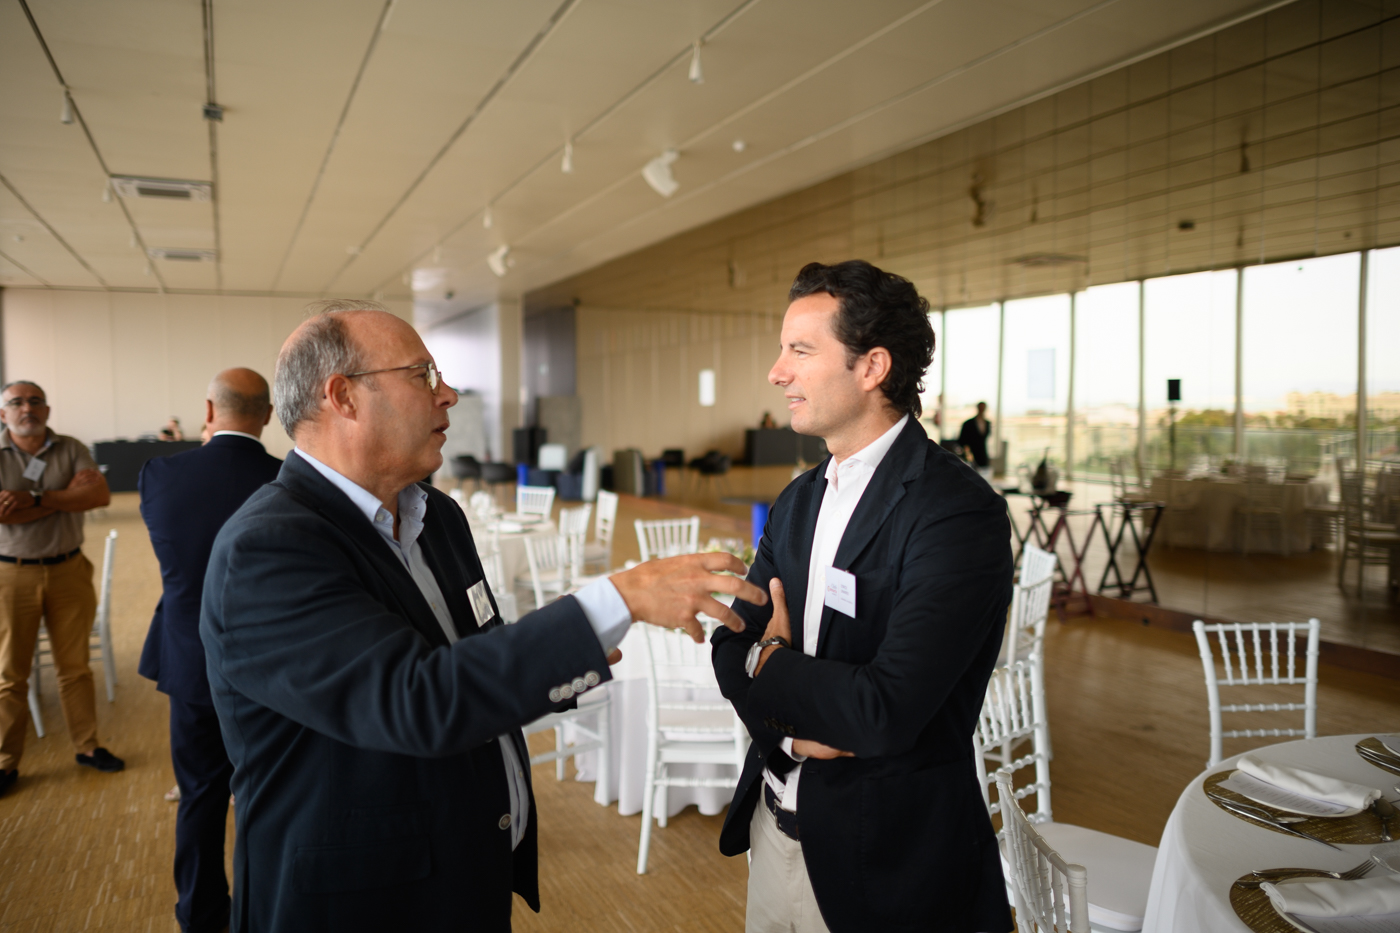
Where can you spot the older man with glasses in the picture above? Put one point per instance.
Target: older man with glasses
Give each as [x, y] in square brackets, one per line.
[370, 696]
[48, 481]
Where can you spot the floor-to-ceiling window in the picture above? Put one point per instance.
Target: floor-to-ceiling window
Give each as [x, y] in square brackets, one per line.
[931, 397]
[1189, 335]
[1035, 380]
[1299, 353]
[1105, 378]
[971, 340]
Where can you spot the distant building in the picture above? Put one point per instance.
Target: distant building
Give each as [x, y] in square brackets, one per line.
[1384, 406]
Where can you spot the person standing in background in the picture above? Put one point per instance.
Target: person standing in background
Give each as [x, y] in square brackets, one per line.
[49, 481]
[185, 500]
[973, 437]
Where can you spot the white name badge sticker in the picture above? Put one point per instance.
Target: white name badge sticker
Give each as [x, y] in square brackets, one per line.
[35, 470]
[841, 591]
[481, 603]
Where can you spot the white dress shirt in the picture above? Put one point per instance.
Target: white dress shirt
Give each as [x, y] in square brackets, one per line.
[845, 484]
[604, 607]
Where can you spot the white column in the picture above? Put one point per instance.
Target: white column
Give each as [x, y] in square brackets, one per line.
[1069, 402]
[1142, 383]
[1001, 352]
[1363, 295]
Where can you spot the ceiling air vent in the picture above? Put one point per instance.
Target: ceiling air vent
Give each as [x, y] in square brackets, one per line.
[174, 254]
[166, 189]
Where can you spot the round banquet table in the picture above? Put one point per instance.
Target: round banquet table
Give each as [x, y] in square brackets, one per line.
[628, 690]
[1202, 513]
[1204, 849]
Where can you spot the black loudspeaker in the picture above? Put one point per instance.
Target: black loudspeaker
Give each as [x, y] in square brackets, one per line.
[525, 444]
[1173, 390]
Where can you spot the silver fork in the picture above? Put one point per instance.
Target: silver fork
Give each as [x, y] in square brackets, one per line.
[1283, 874]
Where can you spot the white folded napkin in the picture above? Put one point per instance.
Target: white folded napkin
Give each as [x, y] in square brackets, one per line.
[1327, 898]
[1310, 784]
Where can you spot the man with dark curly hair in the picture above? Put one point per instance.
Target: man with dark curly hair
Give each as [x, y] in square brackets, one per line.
[890, 568]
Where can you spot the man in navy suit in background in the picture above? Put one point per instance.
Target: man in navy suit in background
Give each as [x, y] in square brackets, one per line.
[185, 500]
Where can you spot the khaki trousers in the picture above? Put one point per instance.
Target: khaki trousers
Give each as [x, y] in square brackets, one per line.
[62, 595]
[780, 893]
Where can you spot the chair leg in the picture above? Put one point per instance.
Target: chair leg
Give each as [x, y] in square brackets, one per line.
[662, 803]
[559, 750]
[602, 790]
[34, 711]
[648, 796]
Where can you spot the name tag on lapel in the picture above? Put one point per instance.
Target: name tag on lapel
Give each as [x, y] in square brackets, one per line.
[841, 591]
[35, 471]
[481, 603]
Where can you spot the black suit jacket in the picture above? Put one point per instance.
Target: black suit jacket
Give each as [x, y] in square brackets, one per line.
[185, 500]
[370, 788]
[975, 441]
[896, 838]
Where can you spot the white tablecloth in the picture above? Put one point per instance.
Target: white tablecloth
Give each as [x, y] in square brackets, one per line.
[1201, 513]
[628, 690]
[1204, 849]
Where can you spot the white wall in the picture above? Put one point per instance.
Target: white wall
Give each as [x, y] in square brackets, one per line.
[118, 364]
[480, 350]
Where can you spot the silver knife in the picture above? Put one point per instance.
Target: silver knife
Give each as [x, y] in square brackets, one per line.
[1260, 816]
[1376, 757]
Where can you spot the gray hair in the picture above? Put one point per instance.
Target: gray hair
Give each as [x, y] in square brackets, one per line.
[322, 349]
[230, 401]
[23, 382]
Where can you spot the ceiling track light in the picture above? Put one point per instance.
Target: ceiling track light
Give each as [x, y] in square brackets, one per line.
[658, 174]
[487, 221]
[107, 193]
[497, 260]
[696, 75]
[66, 115]
[567, 166]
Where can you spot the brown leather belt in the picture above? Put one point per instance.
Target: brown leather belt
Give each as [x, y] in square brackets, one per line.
[786, 819]
[42, 561]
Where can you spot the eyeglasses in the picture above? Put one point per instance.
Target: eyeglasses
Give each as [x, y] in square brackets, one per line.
[33, 401]
[434, 377]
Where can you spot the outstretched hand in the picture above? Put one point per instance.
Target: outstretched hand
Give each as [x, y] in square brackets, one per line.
[670, 592]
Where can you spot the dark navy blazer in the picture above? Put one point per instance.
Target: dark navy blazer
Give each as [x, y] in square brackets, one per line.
[370, 788]
[185, 500]
[896, 838]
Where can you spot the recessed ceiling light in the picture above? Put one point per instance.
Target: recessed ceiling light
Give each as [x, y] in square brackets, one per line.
[567, 166]
[168, 189]
[739, 145]
[180, 254]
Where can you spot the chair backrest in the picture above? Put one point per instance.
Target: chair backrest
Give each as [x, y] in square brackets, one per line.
[573, 525]
[1030, 603]
[546, 553]
[1117, 476]
[589, 486]
[1050, 895]
[674, 662]
[534, 500]
[1014, 709]
[1258, 654]
[668, 537]
[607, 517]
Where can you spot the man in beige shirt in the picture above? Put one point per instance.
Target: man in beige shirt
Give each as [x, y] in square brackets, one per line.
[48, 481]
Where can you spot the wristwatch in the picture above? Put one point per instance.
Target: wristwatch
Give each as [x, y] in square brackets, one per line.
[38, 495]
[751, 661]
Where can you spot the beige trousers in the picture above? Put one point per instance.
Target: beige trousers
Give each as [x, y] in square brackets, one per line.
[780, 893]
[62, 595]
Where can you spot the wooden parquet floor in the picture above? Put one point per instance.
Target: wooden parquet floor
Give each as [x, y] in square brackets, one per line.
[86, 851]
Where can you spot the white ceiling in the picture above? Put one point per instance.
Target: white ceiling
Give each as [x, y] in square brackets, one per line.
[363, 139]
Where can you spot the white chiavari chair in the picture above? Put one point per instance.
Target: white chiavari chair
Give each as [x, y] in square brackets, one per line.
[1014, 709]
[1050, 895]
[599, 553]
[1030, 604]
[99, 642]
[1271, 650]
[548, 559]
[683, 731]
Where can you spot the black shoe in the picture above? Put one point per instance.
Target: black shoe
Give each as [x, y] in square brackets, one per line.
[102, 760]
[7, 780]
